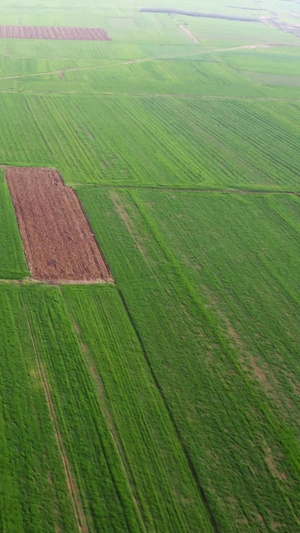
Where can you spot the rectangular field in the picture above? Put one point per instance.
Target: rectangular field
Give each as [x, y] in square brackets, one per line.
[57, 237]
[53, 32]
[216, 310]
[197, 142]
[138, 419]
[34, 487]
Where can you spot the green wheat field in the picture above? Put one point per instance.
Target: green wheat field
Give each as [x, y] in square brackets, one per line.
[168, 400]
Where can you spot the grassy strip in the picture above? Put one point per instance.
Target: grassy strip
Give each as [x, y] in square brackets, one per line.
[227, 423]
[34, 495]
[91, 453]
[169, 142]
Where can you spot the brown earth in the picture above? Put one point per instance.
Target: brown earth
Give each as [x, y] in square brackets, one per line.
[58, 240]
[54, 32]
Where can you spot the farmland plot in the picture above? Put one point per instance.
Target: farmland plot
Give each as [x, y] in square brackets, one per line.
[197, 143]
[54, 32]
[58, 240]
[34, 490]
[101, 493]
[143, 430]
[251, 285]
[200, 74]
[242, 446]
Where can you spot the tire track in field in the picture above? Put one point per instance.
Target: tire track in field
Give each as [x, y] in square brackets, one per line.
[188, 32]
[70, 478]
[202, 492]
[189, 189]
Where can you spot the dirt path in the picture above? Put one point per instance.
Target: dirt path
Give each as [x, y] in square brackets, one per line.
[166, 95]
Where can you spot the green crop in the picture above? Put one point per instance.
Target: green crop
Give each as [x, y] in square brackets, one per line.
[240, 441]
[153, 457]
[166, 401]
[34, 495]
[13, 263]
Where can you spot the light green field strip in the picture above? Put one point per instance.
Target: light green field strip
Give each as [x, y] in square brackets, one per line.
[34, 491]
[186, 141]
[100, 488]
[273, 60]
[156, 465]
[13, 263]
[172, 70]
[170, 142]
[228, 33]
[240, 440]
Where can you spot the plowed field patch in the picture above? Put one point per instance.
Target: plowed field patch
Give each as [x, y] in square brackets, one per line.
[54, 32]
[58, 240]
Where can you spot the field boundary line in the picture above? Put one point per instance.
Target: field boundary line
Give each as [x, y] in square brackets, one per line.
[154, 95]
[101, 392]
[187, 189]
[70, 478]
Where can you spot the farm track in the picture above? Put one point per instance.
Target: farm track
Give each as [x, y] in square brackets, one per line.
[71, 481]
[54, 33]
[143, 60]
[160, 95]
[195, 190]
[192, 37]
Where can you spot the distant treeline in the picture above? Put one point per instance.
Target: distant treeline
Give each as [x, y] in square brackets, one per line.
[198, 14]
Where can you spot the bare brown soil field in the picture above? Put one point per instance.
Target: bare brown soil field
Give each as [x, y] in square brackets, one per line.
[58, 240]
[54, 32]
